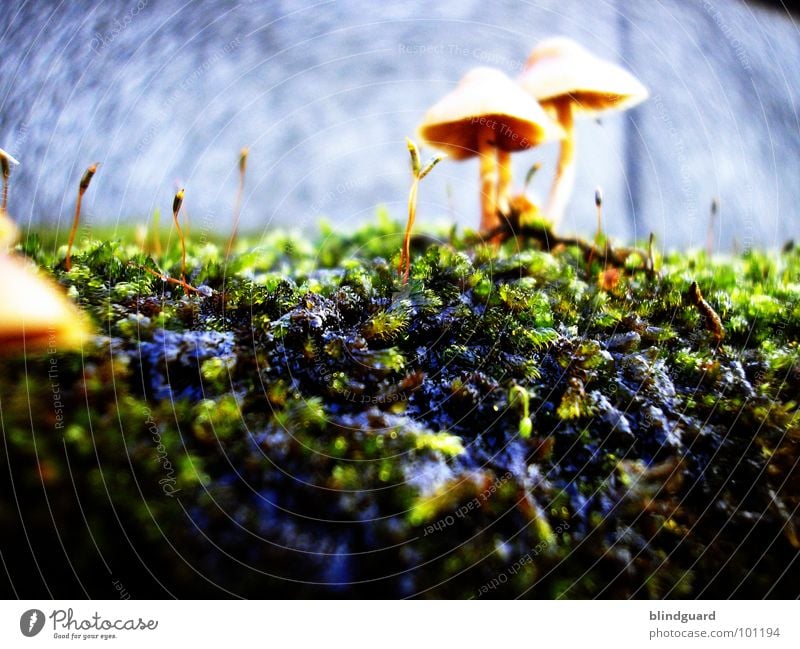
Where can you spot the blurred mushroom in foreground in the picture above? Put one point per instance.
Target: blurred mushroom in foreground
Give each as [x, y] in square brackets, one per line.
[570, 82]
[9, 232]
[35, 314]
[490, 116]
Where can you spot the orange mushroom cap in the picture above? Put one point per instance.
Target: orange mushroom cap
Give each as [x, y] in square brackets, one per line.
[559, 68]
[486, 97]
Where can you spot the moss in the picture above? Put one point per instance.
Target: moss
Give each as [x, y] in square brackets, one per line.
[313, 427]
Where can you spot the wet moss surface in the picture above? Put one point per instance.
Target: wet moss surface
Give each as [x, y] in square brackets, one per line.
[512, 422]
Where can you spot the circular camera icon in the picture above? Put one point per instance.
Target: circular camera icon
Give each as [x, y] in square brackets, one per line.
[31, 622]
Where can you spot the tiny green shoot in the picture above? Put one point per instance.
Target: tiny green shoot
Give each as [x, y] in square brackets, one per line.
[525, 423]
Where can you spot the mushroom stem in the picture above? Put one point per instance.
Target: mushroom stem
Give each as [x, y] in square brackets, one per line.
[504, 181]
[489, 178]
[565, 170]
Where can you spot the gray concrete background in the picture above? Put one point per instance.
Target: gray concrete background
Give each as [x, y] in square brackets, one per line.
[163, 92]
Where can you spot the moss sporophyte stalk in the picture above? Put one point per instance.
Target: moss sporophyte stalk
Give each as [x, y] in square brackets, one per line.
[419, 172]
[501, 413]
[86, 179]
[238, 204]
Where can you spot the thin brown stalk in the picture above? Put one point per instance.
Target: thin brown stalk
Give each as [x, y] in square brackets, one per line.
[176, 208]
[712, 221]
[238, 205]
[418, 172]
[166, 278]
[82, 187]
[598, 204]
[405, 256]
[6, 175]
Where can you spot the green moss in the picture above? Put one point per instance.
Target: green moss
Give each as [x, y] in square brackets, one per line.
[312, 422]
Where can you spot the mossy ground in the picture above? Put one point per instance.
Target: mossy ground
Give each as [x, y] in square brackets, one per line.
[312, 427]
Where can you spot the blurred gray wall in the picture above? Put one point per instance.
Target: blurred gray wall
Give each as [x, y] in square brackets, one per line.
[166, 93]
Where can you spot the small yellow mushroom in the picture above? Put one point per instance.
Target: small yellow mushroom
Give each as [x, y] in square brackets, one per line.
[489, 116]
[570, 82]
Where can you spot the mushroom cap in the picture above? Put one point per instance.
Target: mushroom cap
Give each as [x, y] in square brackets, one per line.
[11, 159]
[35, 312]
[486, 97]
[559, 68]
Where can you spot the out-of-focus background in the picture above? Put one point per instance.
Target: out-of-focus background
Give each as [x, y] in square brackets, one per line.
[165, 93]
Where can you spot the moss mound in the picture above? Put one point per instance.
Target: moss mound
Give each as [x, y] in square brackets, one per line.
[512, 422]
